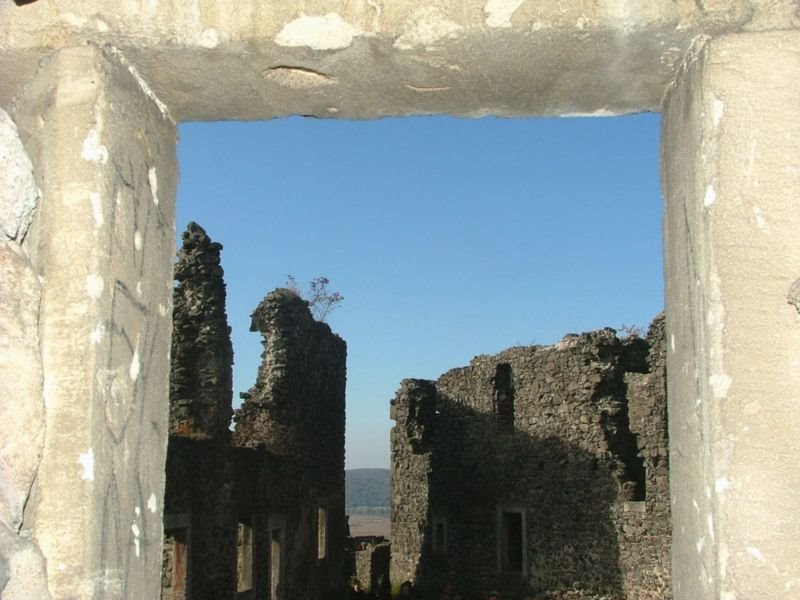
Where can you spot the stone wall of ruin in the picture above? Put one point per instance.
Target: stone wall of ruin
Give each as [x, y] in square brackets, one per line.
[295, 414]
[229, 498]
[372, 560]
[200, 504]
[573, 437]
[414, 411]
[201, 378]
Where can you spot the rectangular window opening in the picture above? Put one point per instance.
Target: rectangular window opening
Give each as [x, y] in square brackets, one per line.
[503, 398]
[174, 564]
[322, 532]
[275, 551]
[512, 541]
[244, 558]
[439, 534]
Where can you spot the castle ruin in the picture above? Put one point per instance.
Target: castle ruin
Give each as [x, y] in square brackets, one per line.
[257, 513]
[94, 92]
[540, 470]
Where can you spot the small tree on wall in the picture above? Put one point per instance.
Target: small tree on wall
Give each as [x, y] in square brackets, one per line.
[321, 300]
[631, 331]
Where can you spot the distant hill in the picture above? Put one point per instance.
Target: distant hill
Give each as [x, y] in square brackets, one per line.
[367, 491]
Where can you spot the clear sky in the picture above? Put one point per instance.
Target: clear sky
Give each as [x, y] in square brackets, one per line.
[447, 237]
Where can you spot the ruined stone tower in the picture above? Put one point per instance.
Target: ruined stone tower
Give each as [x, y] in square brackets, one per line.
[200, 517]
[296, 407]
[202, 356]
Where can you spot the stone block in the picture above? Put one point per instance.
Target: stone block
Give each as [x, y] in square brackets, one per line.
[18, 191]
[22, 408]
[23, 573]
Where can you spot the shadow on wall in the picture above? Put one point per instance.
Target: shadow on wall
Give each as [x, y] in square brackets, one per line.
[540, 470]
[515, 512]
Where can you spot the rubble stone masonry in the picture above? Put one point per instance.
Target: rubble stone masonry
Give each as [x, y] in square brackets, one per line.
[202, 355]
[259, 513]
[295, 414]
[541, 470]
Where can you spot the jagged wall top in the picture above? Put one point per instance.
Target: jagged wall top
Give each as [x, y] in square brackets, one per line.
[296, 407]
[201, 378]
[573, 435]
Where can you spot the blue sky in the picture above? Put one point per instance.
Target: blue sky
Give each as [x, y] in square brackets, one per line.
[447, 237]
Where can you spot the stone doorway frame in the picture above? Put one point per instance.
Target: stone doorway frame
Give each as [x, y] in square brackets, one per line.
[96, 96]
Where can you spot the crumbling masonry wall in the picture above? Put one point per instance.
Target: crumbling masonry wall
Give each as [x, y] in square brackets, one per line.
[201, 378]
[226, 498]
[571, 437]
[296, 414]
[200, 508]
[372, 558]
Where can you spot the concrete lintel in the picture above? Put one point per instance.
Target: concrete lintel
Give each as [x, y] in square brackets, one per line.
[249, 59]
[731, 177]
[102, 243]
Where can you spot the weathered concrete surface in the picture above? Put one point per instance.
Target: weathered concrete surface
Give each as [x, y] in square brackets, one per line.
[731, 177]
[102, 244]
[249, 59]
[18, 191]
